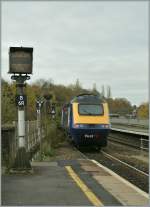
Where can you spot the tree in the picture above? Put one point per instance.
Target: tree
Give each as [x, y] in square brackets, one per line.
[61, 94]
[77, 87]
[143, 111]
[8, 107]
[108, 92]
[119, 105]
[94, 89]
[103, 91]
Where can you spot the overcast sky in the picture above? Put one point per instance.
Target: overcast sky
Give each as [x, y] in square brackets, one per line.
[97, 42]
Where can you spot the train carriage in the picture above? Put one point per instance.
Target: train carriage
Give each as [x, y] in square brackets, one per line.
[86, 119]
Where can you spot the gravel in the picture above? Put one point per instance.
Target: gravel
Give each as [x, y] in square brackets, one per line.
[65, 151]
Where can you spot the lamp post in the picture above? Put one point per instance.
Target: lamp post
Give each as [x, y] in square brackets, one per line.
[20, 65]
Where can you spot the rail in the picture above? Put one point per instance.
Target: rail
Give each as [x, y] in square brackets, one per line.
[135, 139]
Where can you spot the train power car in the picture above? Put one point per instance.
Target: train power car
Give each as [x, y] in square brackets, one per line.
[86, 120]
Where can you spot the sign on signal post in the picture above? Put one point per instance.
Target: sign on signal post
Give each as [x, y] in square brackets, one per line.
[21, 100]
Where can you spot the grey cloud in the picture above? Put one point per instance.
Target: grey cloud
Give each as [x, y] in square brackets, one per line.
[101, 42]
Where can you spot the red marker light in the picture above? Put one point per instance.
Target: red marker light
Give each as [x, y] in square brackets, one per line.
[76, 125]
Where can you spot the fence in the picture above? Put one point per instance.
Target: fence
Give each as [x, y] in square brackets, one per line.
[144, 145]
[9, 144]
[34, 134]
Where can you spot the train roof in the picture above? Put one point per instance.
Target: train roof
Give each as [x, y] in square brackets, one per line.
[88, 98]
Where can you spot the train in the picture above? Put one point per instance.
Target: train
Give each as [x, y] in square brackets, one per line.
[86, 120]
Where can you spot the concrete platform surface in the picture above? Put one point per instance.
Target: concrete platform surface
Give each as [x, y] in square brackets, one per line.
[130, 128]
[124, 191]
[49, 185]
[68, 183]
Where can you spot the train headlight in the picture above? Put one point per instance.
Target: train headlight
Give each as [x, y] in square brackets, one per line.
[78, 125]
[81, 125]
[105, 126]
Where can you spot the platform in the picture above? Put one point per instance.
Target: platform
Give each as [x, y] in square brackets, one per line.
[131, 129]
[70, 183]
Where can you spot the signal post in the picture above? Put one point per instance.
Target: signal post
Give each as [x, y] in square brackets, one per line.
[20, 64]
[39, 104]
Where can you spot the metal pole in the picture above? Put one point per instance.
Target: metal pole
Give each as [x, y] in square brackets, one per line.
[39, 138]
[39, 134]
[22, 158]
[28, 135]
[141, 146]
[21, 112]
[21, 128]
[46, 117]
[39, 130]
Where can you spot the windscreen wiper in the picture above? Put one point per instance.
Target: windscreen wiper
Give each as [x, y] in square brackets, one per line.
[88, 113]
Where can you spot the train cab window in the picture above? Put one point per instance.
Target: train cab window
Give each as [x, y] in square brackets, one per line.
[90, 109]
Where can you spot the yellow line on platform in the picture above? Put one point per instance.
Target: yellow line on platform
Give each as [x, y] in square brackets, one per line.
[91, 196]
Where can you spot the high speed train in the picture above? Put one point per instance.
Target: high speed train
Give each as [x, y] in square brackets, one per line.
[86, 120]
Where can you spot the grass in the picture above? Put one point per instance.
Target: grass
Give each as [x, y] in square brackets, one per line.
[54, 136]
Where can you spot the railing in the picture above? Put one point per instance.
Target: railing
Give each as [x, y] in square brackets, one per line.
[144, 144]
[31, 134]
[34, 135]
[9, 144]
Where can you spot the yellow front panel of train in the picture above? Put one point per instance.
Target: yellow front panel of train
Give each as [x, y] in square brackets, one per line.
[85, 119]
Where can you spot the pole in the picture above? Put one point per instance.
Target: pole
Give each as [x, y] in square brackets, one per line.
[39, 130]
[40, 134]
[21, 128]
[39, 104]
[28, 135]
[22, 158]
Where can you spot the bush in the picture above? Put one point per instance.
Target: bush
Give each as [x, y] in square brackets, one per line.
[54, 136]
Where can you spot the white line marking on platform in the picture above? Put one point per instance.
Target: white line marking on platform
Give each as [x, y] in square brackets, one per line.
[122, 179]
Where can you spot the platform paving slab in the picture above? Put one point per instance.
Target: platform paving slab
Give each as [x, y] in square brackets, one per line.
[105, 197]
[49, 185]
[123, 191]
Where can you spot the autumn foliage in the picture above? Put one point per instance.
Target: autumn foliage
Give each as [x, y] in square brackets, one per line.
[143, 111]
[60, 95]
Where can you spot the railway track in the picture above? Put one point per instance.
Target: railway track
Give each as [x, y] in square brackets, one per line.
[138, 177]
[123, 142]
[137, 140]
[124, 163]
